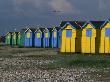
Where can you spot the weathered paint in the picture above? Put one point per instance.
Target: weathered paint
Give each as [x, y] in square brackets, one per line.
[88, 42]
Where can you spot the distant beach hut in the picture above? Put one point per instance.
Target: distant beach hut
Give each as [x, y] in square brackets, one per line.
[46, 37]
[8, 38]
[19, 39]
[14, 38]
[29, 37]
[38, 38]
[54, 37]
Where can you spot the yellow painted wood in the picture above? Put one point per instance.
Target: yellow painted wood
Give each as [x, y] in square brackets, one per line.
[55, 34]
[93, 40]
[88, 43]
[88, 47]
[68, 45]
[46, 34]
[28, 35]
[83, 44]
[73, 45]
[107, 25]
[63, 41]
[92, 45]
[105, 42]
[106, 45]
[38, 35]
[68, 27]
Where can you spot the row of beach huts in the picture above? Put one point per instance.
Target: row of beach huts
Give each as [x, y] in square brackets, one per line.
[69, 36]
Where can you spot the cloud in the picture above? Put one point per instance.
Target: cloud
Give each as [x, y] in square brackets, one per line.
[64, 6]
[104, 4]
[32, 6]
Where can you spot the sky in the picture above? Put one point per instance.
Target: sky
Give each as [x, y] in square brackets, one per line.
[17, 14]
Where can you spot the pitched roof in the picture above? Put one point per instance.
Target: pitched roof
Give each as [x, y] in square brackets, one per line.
[75, 24]
[80, 23]
[97, 24]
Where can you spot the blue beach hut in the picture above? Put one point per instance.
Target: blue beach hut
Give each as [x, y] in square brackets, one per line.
[46, 37]
[54, 37]
[29, 37]
[38, 38]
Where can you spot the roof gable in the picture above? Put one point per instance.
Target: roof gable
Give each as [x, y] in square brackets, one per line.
[38, 30]
[105, 22]
[97, 24]
[72, 23]
[87, 24]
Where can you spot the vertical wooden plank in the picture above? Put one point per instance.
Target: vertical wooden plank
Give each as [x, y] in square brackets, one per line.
[72, 44]
[83, 44]
[88, 39]
[63, 41]
[92, 44]
[68, 44]
[109, 44]
[106, 44]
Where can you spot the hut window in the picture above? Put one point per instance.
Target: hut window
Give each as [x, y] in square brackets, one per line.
[68, 33]
[38, 35]
[28, 35]
[107, 33]
[55, 34]
[89, 32]
[46, 34]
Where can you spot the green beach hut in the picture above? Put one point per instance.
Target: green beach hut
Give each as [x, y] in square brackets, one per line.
[14, 38]
[8, 38]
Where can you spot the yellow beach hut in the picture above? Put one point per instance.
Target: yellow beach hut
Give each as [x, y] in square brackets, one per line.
[88, 38]
[105, 38]
[68, 42]
[98, 43]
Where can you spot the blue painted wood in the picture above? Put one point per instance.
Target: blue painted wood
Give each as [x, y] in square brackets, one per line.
[88, 32]
[46, 40]
[38, 40]
[107, 32]
[29, 41]
[59, 38]
[54, 40]
[68, 33]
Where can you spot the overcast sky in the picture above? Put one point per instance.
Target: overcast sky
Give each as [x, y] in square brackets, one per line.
[21, 13]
